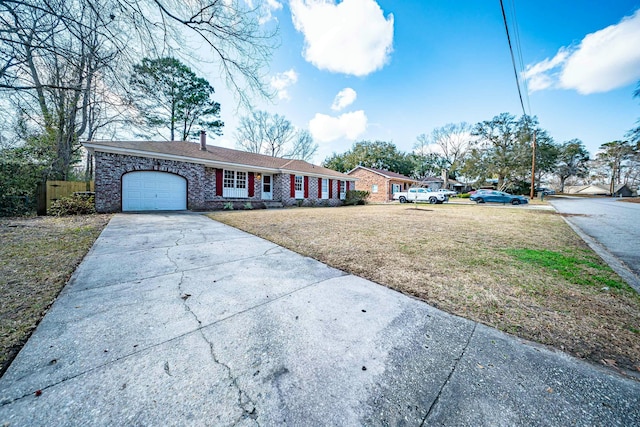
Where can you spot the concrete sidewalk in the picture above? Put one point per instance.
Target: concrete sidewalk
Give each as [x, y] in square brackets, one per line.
[175, 319]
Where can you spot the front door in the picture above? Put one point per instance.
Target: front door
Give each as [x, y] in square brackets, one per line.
[267, 190]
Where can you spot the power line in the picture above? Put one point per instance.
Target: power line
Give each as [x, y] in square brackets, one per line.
[515, 72]
[518, 46]
[513, 59]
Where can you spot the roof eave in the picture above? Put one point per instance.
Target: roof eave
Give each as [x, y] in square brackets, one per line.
[213, 163]
[343, 177]
[382, 174]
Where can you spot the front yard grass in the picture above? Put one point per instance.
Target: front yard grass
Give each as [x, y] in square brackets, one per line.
[522, 271]
[37, 257]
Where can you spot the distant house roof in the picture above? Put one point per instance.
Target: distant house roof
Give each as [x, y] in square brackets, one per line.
[213, 156]
[622, 187]
[592, 189]
[436, 179]
[385, 173]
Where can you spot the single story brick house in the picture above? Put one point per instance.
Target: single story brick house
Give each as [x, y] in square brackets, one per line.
[176, 175]
[381, 184]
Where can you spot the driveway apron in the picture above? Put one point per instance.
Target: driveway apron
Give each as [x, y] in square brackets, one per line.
[175, 319]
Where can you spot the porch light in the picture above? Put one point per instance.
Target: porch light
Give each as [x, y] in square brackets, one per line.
[259, 175]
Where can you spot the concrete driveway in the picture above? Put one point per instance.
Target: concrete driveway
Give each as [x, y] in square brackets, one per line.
[174, 319]
[611, 227]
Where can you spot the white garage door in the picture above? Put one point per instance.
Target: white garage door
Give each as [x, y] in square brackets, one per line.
[151, 191]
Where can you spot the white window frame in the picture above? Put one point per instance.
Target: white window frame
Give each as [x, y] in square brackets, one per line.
[299, 186]
[343, 190]
[374, 188]
[235, 184]
[325, 189]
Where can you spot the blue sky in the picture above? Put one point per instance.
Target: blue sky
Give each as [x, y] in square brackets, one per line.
[403, 68]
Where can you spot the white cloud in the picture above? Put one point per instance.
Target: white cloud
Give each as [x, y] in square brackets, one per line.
[266, 9]
[351, 37]
[343, 99]
[349, 125]
[604, 60]
[281, 82]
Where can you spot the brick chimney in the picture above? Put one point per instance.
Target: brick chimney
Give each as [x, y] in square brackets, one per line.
[203, 140]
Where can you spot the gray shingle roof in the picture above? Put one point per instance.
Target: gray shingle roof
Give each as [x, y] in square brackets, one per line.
[385, 173]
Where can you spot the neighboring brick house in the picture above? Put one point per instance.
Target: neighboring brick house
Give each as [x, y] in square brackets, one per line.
[381, 184]
[143, 175]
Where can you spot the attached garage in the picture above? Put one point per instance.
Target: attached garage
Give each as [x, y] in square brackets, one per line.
[153, 191]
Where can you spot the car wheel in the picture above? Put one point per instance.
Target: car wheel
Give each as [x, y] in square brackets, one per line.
[433, 200]
[403, 199]
[479, 200]
[515, 202]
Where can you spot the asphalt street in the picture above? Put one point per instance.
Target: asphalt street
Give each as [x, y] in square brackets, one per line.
[613, 224]
[178, 320]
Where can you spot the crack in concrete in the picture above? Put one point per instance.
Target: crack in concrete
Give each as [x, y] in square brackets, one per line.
[175, 264]
[181, 238]
[7, 401]
[455, 365]
[247, 406]
[271, 249]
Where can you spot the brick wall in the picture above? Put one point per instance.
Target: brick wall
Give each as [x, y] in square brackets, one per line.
[282, 192]
[111, 167]
[367, 179]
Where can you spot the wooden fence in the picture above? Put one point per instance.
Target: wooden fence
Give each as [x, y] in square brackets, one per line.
[54, 190]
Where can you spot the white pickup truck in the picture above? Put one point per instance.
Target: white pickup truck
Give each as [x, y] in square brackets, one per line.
[421, 195]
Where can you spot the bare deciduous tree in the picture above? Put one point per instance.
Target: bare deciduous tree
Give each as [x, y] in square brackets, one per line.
[453, 140]
[55, 53]
[303, 147]
[262, 132]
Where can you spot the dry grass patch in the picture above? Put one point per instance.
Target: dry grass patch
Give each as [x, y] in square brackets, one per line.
[522, 271]
[630, 200]
[37, 257]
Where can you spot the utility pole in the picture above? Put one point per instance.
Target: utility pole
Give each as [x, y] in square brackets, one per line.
[533, 166]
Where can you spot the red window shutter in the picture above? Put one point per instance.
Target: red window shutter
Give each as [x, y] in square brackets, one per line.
[306, 187]
[293, 186]
[330, 188]
[218, 182]
[319, 188]
[251, 184]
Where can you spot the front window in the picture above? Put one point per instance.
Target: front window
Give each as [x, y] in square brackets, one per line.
[229, 179]
[343, 190]
[235, 184]
[374, 188]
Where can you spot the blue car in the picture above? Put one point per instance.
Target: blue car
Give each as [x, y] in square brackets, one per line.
[498, 197]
